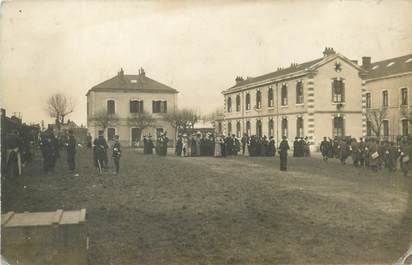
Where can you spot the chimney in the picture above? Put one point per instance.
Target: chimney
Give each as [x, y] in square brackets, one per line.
[142, 72]
[366, 62]
[328, 51]
[238, 80]
[293, 65]
[121, 73]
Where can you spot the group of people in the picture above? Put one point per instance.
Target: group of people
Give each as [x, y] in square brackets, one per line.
[370, 152]
[301, 147]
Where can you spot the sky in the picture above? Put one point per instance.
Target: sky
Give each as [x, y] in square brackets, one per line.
[197, 47]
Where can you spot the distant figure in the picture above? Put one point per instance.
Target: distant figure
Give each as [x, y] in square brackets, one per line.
[50, 150]
[116, 153]
[283, 153]
[179, 145]
[71, 151]
[89, 140]
[100, 151]
[325, 148]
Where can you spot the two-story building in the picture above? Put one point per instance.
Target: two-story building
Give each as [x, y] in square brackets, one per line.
[387, 91]
[125, 96]
[322, 97]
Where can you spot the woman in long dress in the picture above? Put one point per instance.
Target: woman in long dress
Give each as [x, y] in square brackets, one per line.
[218, 149]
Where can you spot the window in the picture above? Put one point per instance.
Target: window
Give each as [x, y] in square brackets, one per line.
[229, 128]
[219, 126]
[405, 127]
[238, 132]
[338, 127]
[111, 132]
[299, 92]
[270, 97]
[238, 103]
[368, 100]
[136, 132]
[271, 128]
[369, 128]
[258, 128]
[299, 127]
[284, 95]
[385, 128]
[248, 128]
[404, 96]
[111, 108]
[229, 104]
[385, 98]
[247, 101]
[159, 106]
[284, 127]
[258, 99]
[338, 91]
[136, 106]
[88, 109]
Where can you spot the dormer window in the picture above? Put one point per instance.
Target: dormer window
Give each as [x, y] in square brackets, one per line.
[375, 67]
[409, 60]
[390, 64]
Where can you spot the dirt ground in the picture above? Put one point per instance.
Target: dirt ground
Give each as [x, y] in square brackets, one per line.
[236, 210]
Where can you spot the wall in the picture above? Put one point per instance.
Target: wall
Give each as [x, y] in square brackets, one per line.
[393, 85]
[98, 101]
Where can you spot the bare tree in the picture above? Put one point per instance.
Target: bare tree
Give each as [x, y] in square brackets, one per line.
[59, 106]
[375, 117]
[183, 120]
[141, 120]
[218, 112]
[103, 120]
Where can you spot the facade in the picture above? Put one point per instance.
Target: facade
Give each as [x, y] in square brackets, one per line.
[388, 84]
[322, 97]
[127, 96]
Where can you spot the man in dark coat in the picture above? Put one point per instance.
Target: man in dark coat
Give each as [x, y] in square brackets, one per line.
[283, 153]
[296, 147]
[179, 145]
[100, 151]
[244, 141]
[50, 150]
[271, 147]
[324, 149]
[71, 151]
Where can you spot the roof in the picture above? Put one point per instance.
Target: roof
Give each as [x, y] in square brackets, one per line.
[138, 83]
[388, 67]
[278, 73]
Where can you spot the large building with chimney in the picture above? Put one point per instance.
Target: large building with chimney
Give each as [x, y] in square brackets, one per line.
[321, 97]
[387, 94]
[126, 97]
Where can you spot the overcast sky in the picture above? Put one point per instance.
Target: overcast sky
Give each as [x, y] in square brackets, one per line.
[196, 47]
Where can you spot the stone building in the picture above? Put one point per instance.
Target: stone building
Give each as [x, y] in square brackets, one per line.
[387, 90]
[322, 97]
[127, 96]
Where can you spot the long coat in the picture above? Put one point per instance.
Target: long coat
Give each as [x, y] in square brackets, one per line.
[283, 153]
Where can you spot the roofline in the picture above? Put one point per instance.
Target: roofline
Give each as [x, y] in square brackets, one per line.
[303, 72]
[387, 76]
[126, 90]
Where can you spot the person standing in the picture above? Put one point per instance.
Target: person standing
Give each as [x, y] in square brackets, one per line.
[354, 148]
[71, 151]
[296, 147]
[362, 152]
[405, 150]
[324, 149]
[374, 155]
[100, 151]
[283, 153]
[116, 153]
[244, 142]
[89, 141]
[218, 147]
[179, 145]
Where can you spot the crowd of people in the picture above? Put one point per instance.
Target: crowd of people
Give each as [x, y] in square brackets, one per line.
[370, 152]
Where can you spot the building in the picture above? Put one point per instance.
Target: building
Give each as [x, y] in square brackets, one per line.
[387, 91]
[126, 97]
[322, 97]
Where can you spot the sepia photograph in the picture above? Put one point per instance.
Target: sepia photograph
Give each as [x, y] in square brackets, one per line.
[160, 132]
